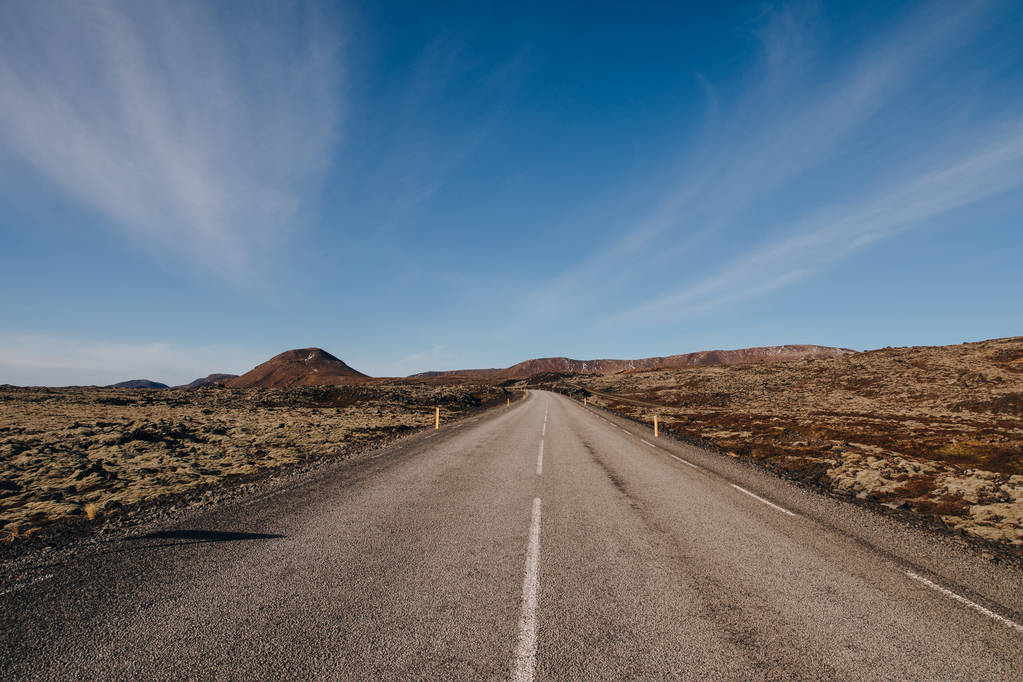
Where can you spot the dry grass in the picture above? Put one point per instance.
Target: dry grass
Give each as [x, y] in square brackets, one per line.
[938, 430]
[88, 452]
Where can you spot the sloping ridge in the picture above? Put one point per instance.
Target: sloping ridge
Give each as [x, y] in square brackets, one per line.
[209, 380]
[698, 359]
[138, 383]
[299, 367]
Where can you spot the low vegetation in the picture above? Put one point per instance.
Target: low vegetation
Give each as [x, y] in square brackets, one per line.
[933, 430]
[93, 452]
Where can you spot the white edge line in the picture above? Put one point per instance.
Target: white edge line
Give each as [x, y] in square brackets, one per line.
[525, 653]
[963, 600]
[767, 502]
[685, 461]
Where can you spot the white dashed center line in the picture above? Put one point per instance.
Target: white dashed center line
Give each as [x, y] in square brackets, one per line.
[963, 600]
[539, 461]
[648, 443]
[768, 503]
[525, 653]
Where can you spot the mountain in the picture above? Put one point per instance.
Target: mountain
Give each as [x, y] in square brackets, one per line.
[139, 383]
[698, 359]
[210, 380]
[299, 367]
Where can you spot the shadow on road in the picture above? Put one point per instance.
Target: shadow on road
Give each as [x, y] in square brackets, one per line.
[195, 537]
[207, 535]
[185, 537]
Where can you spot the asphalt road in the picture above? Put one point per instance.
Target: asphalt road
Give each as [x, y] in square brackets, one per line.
[541, 541]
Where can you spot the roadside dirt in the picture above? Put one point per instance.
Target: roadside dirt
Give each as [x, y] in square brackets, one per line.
[935, 431]
[86, 454]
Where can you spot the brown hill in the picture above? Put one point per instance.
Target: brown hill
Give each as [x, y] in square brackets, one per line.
[138, 383]
[698, 359]
[209, 380]
[299, 367]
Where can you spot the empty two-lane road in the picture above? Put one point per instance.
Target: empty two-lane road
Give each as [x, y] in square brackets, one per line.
[542, 541]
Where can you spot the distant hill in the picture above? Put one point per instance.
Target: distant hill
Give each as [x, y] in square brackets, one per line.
[299, 367]
[139, 383]
[210, 380]
[698, 359]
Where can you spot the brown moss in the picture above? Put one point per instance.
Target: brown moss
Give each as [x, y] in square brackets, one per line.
[946, 505]
[915, 486]
[82, 451]
[952, 408]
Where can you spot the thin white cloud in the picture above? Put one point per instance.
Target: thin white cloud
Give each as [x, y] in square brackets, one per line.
[196, 133]
[791, 121]
[56, 361]
[828, 238]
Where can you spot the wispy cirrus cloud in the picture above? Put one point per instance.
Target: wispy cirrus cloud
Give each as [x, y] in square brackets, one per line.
[196, 128]
[836, 234]
[897, 153]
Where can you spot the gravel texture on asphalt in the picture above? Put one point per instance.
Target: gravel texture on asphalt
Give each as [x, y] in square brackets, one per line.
[656, 561]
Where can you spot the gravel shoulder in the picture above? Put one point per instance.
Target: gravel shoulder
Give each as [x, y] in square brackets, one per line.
[930, 432]
[75, 461]
[412, 562]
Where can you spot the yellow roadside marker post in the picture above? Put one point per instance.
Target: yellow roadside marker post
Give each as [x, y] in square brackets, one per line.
[655, 426]
[436, 418]
[508, 404]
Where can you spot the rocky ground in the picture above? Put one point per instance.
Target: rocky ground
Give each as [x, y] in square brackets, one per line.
[90, 453]
[937, 431]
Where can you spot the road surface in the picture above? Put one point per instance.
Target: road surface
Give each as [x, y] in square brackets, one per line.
[544, 541]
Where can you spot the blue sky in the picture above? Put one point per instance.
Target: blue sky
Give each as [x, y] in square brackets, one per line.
[189, 188]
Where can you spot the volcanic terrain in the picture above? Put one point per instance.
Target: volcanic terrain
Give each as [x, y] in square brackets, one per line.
[209, 380]
[300, 367]
[69, 453]
[698, 359]
[937, 431]
[138, 383]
